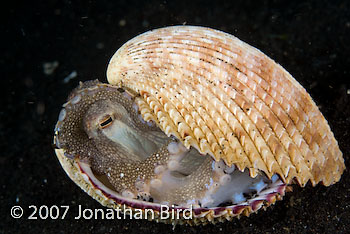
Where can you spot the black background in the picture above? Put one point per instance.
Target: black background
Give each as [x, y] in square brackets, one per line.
[309, 38]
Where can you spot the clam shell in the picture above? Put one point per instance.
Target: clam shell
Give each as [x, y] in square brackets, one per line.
[225, 98]
[228, 99]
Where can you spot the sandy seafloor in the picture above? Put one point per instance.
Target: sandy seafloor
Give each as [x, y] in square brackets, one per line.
[308, 38]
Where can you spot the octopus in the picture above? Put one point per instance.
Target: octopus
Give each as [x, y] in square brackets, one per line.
[102, 125]
[194, 118]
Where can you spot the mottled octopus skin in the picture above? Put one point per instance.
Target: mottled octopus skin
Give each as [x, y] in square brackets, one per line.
[226, 98]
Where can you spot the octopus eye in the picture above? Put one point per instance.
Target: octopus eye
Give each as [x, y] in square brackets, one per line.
[106, 121]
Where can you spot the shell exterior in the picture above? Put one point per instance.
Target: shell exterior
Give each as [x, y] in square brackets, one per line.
[226, 98]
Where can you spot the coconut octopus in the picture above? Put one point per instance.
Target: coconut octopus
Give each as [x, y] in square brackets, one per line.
[194, 118]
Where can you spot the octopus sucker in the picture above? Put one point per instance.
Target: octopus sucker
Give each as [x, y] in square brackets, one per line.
[194, 118]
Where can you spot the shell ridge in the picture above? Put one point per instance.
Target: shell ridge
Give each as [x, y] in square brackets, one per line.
[243, 144]
[315, 121]
[177, 105]
[241, 125]
[179, 119]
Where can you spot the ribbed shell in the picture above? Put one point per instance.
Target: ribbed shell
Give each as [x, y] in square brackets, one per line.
[226, 98]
